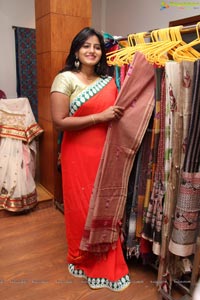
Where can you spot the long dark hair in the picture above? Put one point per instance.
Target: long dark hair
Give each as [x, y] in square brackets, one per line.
[102, 68]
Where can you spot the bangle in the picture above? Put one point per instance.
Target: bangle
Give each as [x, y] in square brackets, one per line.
[93, 119]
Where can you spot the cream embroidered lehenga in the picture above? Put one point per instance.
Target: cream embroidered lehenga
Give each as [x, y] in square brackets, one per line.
[18, 130]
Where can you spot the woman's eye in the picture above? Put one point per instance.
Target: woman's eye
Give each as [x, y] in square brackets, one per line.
[86, 46]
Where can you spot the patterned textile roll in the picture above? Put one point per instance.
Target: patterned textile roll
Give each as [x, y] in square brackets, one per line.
[186, 223]
[179, 78]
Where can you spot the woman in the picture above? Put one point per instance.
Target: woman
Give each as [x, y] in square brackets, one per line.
[82, 104]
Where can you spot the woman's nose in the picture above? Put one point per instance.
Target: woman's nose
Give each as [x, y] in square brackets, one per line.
[92, 49]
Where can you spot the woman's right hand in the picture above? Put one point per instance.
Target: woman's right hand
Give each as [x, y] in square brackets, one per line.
[111, 113]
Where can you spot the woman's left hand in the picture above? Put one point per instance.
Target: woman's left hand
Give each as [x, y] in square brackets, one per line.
[111, 113]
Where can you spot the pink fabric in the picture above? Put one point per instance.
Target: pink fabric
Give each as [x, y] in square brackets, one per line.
[2, 95]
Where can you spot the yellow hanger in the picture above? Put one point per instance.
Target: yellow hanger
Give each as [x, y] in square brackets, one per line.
[138, 45]
[168, 42]
[113, 56]
[137, 42]
[172, 41]
[125, 55]
[155, 51]
[187, 52]
[116, 57]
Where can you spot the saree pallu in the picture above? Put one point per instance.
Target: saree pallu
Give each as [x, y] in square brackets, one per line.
[80, 155]
[18, 130]
[186, 222]
[123, 139]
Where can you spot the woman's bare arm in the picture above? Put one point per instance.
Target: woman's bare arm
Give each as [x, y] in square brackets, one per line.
[62, 121]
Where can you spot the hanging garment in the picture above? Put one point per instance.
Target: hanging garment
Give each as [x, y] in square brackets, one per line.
[186, 222]
[131, 243]
[179, 78]
[80, 155]
[107, 203]
[18, 130]
[179, 98]
[144, 168]
[154, 187]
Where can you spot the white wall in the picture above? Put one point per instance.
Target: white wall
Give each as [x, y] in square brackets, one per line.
[98, 14]
[124, 17]
[12, 13]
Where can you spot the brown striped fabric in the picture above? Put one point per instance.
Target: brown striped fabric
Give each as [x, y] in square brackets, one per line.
[123, 140]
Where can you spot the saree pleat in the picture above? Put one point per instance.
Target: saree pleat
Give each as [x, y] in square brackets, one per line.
[122, 142]
[186, 220]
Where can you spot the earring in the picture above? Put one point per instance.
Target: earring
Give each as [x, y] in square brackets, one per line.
[77, 63]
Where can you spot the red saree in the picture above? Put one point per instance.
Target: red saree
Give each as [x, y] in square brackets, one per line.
[80, 156]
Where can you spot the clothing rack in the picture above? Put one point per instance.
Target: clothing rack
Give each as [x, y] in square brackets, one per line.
[194, 277]
[186, 29]
[187, 291]
[189, 26]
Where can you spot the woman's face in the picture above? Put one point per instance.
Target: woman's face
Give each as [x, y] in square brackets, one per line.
[90, 52]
